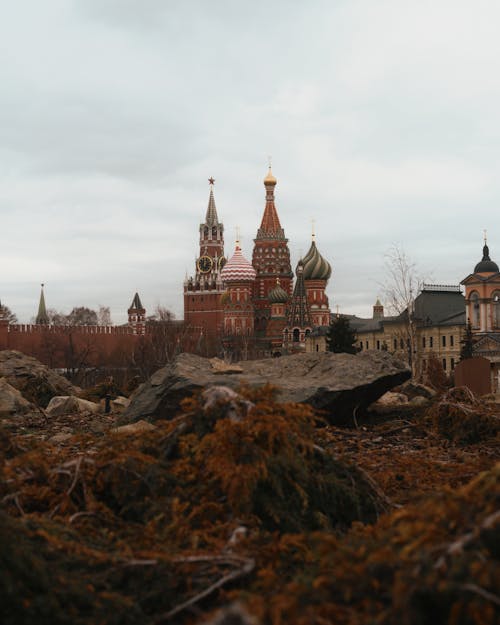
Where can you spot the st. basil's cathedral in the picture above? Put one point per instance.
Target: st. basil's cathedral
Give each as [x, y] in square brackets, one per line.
[256, 308]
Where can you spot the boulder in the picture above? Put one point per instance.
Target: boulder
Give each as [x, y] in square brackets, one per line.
[12, 403]
[69, 404]
[413, 389]
[36, 382]
[118, 404]
[339, 384]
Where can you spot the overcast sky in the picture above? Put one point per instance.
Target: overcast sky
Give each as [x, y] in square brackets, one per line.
[382, 119]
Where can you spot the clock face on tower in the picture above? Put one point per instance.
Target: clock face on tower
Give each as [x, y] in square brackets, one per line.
[204, 264]
[222, 262]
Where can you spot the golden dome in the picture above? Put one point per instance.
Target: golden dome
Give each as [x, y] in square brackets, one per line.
[270, 179]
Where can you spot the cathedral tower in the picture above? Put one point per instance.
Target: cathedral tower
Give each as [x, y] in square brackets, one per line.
[270, 258]
[317, 272]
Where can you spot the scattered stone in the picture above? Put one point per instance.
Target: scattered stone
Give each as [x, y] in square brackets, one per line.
[220, 367]
[413, 389]
[70, 405]
[61, 437]
[37, 383]
[338, 384]
[134, 428]
[119, 404]
[231, 404]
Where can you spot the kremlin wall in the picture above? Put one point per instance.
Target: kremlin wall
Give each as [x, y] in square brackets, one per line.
[231, 306]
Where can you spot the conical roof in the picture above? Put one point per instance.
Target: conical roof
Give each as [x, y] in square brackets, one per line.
[238, 268]
[42, 317]
[486, 265]
[136, 303]
[270, 227]
[315, 266]
[211, 218]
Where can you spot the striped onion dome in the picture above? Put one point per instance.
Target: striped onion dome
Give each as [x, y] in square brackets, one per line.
[237, 268]
[315, 266]
[278, 295]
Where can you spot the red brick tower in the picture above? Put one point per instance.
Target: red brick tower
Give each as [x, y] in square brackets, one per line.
[270, 258]
[137, 316]
[317, 272]
[203, 291]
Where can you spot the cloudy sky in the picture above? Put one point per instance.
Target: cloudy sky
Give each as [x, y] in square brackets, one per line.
[382, 119]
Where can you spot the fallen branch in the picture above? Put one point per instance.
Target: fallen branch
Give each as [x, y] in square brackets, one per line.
[485, 594]
[247, 568]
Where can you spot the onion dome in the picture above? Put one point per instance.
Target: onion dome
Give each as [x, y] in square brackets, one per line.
[315, 266]
[486, 265]
[270, 179]
[278, 295]
[238, 268]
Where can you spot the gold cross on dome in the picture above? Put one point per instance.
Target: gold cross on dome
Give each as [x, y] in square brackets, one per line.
[485, 239]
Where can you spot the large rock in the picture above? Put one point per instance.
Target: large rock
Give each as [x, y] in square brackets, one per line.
[70, 404]
[340, 384]
[12, 403]
[36, 382]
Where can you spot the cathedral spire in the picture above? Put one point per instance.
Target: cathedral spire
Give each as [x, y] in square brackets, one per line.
[270, 228]
[299, 314]
[211, 218]
[42, 317]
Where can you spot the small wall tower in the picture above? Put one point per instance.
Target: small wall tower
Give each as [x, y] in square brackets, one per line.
[137, 316]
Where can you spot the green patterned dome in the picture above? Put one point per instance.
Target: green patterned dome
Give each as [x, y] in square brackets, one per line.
[278, 295]
[315, 266]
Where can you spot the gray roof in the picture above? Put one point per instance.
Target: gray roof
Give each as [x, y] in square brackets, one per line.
[439, 307]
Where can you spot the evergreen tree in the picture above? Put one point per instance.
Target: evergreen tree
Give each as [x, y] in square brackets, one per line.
[341, 338]
[467, 342]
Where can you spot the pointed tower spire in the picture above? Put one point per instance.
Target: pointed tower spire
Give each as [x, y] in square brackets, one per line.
[270, 228]
[299, 314]
[42, 318]
[211, 218]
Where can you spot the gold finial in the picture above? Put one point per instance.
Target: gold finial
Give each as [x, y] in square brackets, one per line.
[313, 223]
[269, 161]
[237, 235]
[485, 238]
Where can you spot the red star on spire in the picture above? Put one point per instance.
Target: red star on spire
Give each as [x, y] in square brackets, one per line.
[211, 180]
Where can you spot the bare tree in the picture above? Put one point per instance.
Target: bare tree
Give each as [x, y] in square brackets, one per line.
[6, 313]
[402, 285]
[104, 316]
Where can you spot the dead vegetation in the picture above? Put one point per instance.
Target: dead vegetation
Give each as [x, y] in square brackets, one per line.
[258, 505]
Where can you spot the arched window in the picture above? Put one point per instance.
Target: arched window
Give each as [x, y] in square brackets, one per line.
[474, 304]
[296, 335]
[495, 304]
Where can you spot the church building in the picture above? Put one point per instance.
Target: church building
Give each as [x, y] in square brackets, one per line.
[255, 308]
